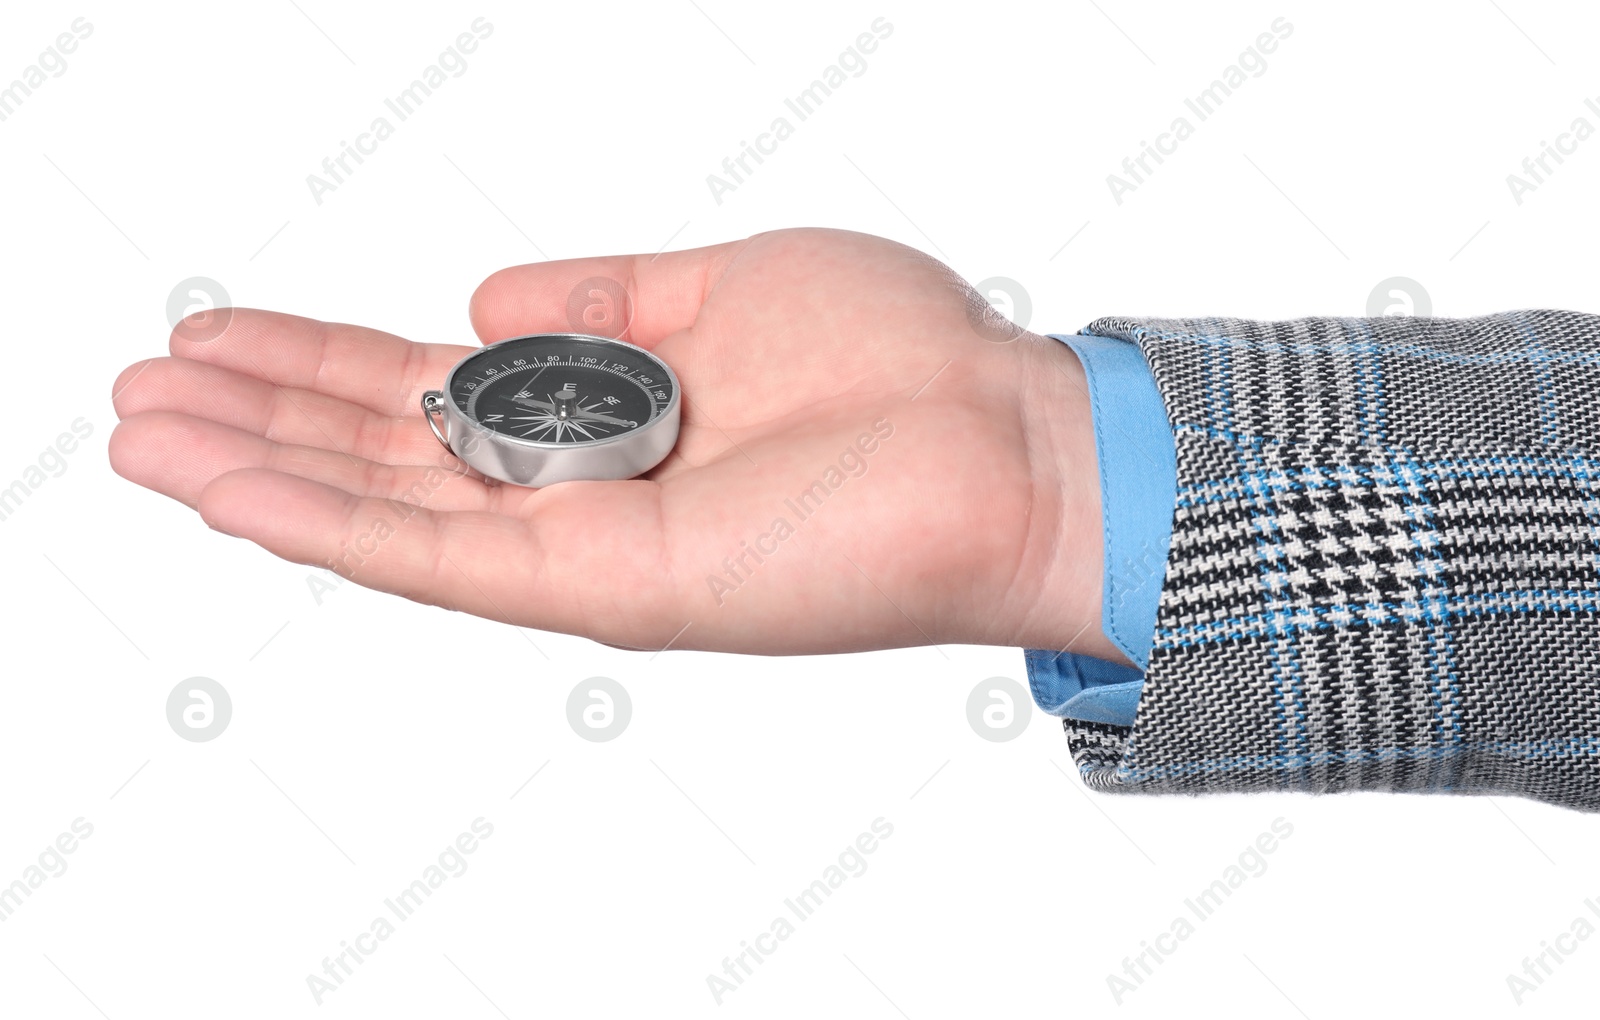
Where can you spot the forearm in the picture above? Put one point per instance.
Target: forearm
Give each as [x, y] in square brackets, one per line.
[1382, 565]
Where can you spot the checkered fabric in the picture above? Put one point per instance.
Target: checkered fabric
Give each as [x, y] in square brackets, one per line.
[1385, 561]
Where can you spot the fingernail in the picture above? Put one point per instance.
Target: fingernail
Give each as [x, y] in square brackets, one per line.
[214, 526]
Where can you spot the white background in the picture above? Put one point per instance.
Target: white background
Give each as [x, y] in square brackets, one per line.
[368, 732]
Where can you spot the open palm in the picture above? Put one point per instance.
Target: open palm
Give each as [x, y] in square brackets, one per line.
[865, 461]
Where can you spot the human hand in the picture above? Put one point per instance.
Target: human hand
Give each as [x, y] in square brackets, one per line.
[959, 498]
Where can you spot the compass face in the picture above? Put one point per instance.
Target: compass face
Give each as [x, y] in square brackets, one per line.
[562, 389]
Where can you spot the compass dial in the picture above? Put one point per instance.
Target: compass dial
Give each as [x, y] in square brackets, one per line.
[556, 407]
[562, 389]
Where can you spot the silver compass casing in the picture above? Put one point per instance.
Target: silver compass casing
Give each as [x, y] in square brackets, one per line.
[537, 463]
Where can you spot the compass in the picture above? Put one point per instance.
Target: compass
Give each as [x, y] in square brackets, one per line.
[557, 407]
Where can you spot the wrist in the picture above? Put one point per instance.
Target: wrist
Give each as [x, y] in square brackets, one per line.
[1060, 582]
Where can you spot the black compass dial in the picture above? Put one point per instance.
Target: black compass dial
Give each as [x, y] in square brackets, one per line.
[562, 389]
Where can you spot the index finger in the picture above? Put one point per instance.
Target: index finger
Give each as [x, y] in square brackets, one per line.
[637, 298]
[366, 367]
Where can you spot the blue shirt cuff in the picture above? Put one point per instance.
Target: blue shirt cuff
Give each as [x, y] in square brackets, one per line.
[1137, 461]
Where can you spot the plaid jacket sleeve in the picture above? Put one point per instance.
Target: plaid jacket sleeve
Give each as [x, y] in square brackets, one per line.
[1385, 561]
